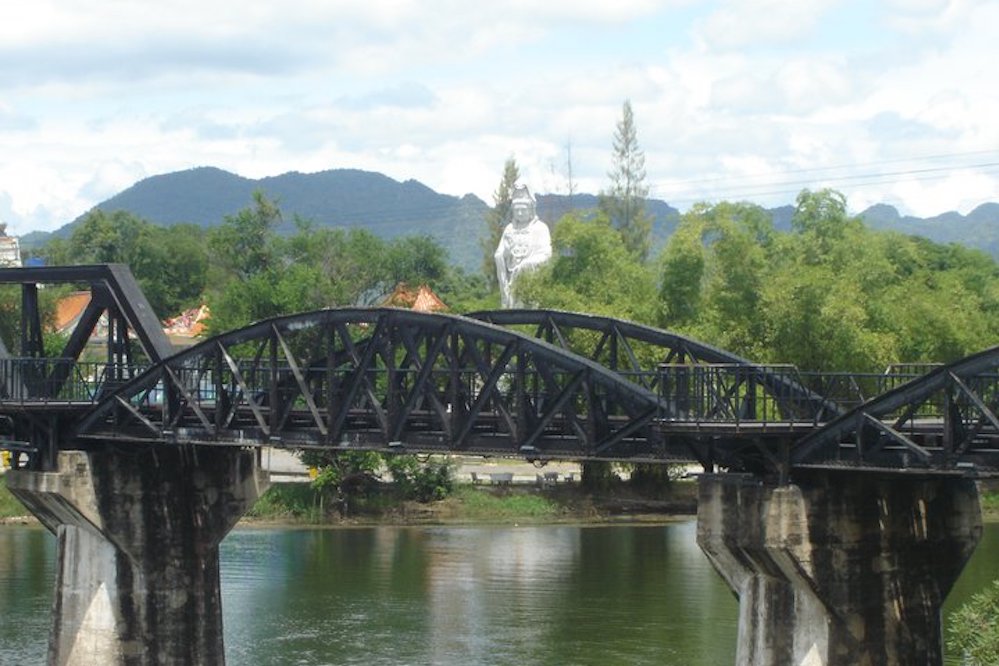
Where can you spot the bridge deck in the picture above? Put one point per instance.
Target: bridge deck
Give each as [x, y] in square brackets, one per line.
[384, 379]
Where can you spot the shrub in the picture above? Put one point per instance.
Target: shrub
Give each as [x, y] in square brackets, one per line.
[973, 633]
[424, 482]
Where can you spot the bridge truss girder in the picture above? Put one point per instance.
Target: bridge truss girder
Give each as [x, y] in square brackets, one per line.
[633, 350]
[390, 380]
[667, 362]
[944, 421]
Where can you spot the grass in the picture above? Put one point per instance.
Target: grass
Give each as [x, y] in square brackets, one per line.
[299, 503]
[10, 506]
[990, 506]
[480, 505]
[288, 501]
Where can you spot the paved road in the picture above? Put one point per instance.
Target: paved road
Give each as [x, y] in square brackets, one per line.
[284, 465]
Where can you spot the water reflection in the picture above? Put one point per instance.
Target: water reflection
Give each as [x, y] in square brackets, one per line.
[493, 596]
[447, 596]
[27, 569]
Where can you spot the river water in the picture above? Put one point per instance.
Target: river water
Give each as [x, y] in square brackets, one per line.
[449, 596]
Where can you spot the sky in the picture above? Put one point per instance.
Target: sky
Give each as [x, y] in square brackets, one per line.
[888, 101]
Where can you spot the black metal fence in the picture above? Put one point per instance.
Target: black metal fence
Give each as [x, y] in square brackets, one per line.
[770, 394]
[59, 380]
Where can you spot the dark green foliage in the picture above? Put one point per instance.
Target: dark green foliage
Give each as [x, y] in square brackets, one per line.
[287, 500]
[597, 476]
[10, 318]
[423, 481]
[261, 274]
[243, 244]
[654, 480]
[169, 263]
[343, 477]
[973, 631]
[829, 295]
[591, 271]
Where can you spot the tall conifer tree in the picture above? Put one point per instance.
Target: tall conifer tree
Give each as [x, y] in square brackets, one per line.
[624, 201]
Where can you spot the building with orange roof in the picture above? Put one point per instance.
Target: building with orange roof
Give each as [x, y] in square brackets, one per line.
[70, 308]
[182, 330]
[422, 299]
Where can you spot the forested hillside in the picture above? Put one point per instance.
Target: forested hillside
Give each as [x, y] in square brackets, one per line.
[826, 293]
[390, 209]
[338, 198]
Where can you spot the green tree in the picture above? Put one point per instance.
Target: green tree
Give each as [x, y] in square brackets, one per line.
[243, 244]
[591, 271]
[830, 295]
[624, 201]
[682, 268]
[260, 274]
[973, 633]
[169, 263]
[422, 481]
[713, 273]
[497, 218]
[343, 477]
[10, 317]
[415, 260]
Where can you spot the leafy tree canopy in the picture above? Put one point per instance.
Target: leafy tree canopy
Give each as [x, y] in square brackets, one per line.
[830, 295]
[973, 633]
[169, 263]
[591, 271]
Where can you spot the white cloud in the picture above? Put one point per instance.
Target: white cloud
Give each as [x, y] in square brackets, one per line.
[100, 95]
[745, 23]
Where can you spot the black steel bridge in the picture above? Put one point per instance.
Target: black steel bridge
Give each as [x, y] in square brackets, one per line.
[840, 508]
[536, 384]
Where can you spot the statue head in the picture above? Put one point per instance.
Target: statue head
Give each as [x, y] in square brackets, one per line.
[522, 205]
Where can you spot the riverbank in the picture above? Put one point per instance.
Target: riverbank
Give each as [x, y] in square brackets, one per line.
[298, 503]
[520, 503]
[477, 504]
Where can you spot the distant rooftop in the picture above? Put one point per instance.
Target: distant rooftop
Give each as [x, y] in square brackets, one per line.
[10, 249]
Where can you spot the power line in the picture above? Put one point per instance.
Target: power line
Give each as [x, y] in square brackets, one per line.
[852, 181]
[855, 165]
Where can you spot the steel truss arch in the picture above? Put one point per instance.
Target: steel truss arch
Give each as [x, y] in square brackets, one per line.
[645, 354]
[385, 379]
[945, 421]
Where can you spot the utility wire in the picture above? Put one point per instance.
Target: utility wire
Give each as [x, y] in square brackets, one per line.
[852, 182]
[856, 165]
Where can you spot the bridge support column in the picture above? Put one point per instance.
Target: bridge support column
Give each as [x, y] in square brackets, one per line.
[839, 568]
[138, 567]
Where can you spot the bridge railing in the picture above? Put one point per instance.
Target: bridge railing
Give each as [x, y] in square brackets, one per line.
[769, 394]
[259, 382]
[59, 380]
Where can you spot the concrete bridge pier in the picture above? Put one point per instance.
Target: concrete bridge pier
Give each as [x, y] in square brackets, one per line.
[839, 568]
[138, 531]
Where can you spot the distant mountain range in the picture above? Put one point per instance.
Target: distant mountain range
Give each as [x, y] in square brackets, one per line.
[388, 208]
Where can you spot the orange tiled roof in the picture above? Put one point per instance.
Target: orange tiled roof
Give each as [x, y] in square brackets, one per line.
[69, 309]
[422, 299]
[186, 325]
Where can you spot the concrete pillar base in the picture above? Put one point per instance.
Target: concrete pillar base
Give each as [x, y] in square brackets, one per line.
[138, 534]
[838, 568]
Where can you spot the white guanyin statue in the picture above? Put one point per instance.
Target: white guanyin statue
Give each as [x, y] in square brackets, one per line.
[525, 245]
